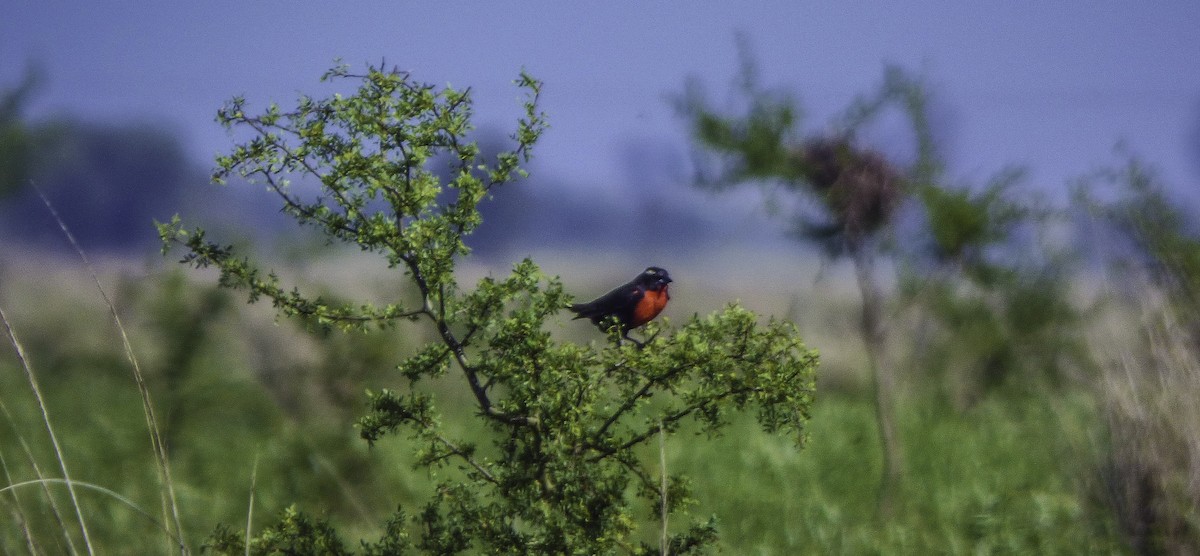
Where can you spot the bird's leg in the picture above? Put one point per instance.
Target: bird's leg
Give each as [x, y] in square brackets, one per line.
[625, 334]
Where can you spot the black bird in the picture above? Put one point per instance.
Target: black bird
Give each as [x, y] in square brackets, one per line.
[633, 304]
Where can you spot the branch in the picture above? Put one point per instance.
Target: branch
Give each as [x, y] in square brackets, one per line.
[632, 400]
[348, 232]
[646, 480]
[460, 355]
[604, 452]
[239, 274]
[455, 450]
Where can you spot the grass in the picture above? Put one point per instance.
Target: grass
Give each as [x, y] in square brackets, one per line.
[1151, 406]
[257, 415]
[52, 437]
[1001, 478]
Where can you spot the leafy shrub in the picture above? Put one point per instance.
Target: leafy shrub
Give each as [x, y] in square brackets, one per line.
[565, 425]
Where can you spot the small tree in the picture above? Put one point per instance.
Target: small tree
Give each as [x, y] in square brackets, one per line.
[856, 189]
[992, 315]
[996, 296]
[554, 460]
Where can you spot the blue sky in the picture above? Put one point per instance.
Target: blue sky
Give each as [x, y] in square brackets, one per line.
[1052, 86]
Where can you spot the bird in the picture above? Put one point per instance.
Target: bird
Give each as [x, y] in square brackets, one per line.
[632, 304]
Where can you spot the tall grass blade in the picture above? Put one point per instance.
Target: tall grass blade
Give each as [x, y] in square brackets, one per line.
[58, 453]
[22, 520]
[250, 506]
[1151, 396]
[160, 451]
[91, 486]
[37, 470]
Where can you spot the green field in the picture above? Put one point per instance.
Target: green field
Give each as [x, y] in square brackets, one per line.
[258, 415]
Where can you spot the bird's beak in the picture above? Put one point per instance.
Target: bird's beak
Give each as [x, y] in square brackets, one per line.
[665, 280]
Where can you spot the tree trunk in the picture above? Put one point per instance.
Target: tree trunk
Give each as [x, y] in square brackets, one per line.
[883, 380]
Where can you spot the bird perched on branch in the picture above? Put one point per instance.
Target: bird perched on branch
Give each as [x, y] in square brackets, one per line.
[633, 304]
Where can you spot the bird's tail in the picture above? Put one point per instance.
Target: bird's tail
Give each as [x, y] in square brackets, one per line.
[578, 309]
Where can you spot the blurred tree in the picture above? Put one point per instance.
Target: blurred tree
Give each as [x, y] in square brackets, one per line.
[568, 425]
[857, 191]
[1158, 236]
[996, 314]
[999, 297]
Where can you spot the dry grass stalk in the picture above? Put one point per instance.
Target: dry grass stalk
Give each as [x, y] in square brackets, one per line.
[170, 507]
[1151, 396]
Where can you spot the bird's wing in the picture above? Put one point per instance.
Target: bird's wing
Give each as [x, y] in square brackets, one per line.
[620, 302]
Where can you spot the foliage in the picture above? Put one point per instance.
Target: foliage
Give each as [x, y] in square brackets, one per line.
[993, 302]
[772, 498]
[1159, 237]
[857, 190]
[295, 533]
[963, 224]
[555, 451]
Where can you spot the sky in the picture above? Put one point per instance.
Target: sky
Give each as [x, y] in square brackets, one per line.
[1051, 86]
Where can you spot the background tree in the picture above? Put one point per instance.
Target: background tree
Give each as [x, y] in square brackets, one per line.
[995, 295]
[857, 191]
[566, 426]
[989, 308]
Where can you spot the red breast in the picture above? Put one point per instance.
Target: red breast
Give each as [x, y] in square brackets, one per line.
[651, 304]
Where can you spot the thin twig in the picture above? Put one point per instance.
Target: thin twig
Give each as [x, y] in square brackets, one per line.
[662, 462]
[459, 351]
[633, 467]
[454, 449]
[632, 400]
[604, 452]
[250, 505]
